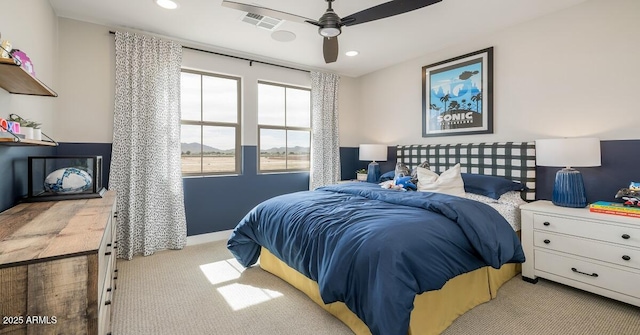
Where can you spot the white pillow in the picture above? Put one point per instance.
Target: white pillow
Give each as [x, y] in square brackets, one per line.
[448, 182]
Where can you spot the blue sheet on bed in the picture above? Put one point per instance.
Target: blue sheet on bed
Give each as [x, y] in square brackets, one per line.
[374, 249]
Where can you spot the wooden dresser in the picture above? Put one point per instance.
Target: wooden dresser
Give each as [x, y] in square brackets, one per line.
[595, 252]
[58, 267]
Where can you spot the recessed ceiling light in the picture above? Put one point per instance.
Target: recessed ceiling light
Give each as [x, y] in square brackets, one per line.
[351, 53]
[283, 36]
[168, 4]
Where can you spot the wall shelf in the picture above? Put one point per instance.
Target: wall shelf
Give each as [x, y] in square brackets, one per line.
[16, 141]
[14, 79]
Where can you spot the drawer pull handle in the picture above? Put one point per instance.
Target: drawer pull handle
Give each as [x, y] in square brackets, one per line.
[626, 236]
[546, 241]
[584, 273]
[109, 289]
[107, 303]
[108, 244]
[546, 223]
[107, 253]
[626, 258]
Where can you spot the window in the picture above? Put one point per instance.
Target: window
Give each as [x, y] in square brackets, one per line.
[284, 127]
[210, 123]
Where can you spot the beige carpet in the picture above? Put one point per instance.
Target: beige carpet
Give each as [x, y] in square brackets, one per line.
[202, 290]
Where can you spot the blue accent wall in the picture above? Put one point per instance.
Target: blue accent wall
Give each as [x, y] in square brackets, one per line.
[620, 165]
[219, 203]
[13, 171]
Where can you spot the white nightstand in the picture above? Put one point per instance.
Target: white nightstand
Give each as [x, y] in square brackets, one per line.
[599, 253]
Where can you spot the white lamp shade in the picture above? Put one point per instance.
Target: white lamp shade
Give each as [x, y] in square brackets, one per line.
[568, 152]
[373, 152]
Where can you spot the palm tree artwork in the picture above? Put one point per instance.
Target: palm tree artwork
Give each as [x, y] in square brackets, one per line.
[477, 98]
[456, 88]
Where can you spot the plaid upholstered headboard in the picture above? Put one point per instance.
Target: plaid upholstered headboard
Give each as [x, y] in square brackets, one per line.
[512, 160]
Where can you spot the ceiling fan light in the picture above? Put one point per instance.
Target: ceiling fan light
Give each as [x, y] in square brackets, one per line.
[329, 31]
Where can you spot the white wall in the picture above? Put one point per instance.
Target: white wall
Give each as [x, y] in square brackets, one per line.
[572, 73]
[88, 82]
[31, 26]
[86, 87]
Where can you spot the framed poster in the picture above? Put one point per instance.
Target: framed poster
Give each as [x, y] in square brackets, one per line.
[457, 95]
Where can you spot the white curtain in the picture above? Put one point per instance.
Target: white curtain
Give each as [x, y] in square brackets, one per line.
[145, 163]
[325, 145]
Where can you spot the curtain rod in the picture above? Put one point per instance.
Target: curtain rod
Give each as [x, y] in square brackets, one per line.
[251, 61]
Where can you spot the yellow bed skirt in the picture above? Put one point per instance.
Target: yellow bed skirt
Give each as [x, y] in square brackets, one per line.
[433, 311]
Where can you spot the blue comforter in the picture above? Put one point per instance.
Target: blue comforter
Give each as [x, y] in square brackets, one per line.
[375, 249]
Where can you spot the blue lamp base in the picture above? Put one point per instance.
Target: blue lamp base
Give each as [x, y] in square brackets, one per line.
[568, 190]
[373, 172]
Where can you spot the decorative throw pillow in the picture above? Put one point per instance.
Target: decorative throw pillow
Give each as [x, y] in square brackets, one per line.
[387, 176]
[490, 186]
[414, 172]
[448, 182]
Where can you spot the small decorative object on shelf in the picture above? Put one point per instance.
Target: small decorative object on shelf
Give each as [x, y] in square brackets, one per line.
[614, 208]
[24, 61]
[630, 195]
[361, 175]
[67, 180]
[64, 178]
[19, 131]
[6, 49]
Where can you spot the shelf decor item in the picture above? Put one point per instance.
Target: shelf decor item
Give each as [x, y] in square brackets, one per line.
[24, 61]
[614, 208]
[568, 189]
[64, 178]
[630, 195]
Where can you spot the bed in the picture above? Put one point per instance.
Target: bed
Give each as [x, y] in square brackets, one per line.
[330, 251]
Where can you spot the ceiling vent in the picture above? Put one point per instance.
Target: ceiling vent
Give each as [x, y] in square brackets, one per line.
[264, 22]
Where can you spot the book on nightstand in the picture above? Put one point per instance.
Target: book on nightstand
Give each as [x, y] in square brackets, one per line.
[614, 208]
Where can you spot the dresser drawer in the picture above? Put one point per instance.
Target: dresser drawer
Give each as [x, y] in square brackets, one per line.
[616, 280]
[611, 253]
[105, 257]
[104, 316]
[588, 229]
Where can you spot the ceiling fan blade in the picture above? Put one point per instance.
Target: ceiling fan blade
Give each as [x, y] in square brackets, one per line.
[386, 9]
[265, 11]
[330, 49]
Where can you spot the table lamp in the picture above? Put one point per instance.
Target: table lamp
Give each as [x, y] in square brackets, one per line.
[568, 189]
[373, 153]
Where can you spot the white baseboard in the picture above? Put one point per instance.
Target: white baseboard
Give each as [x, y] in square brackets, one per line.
[209, 237]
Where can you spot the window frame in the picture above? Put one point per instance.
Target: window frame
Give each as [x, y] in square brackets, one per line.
[285, 128]
[201, 123]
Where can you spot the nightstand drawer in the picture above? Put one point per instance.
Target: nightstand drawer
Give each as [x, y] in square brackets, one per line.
[616, 254]
[612, 279]
[588, 229]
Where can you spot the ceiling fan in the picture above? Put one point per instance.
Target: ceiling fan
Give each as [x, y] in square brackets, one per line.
[330, 24]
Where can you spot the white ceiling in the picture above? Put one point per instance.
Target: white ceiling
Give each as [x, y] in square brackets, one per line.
[381, 43]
